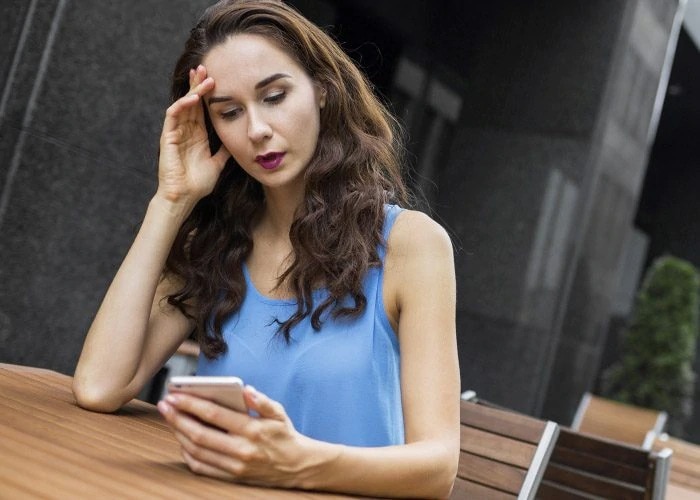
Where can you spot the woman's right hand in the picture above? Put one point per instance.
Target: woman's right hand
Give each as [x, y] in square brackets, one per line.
[187, 171]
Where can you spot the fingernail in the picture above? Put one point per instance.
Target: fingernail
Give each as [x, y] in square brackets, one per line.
[253, 392]
[172, 399]
[163, 407]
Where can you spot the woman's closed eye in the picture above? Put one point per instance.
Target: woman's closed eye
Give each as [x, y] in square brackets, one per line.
[230, 114]
[275, 97]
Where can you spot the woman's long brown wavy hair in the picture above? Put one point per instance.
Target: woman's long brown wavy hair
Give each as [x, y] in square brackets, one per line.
[337, 229]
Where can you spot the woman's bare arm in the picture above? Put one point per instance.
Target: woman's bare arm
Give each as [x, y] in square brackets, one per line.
[135, 330]
[420, 287]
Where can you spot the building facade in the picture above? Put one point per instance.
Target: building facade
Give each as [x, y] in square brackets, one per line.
[530, 126]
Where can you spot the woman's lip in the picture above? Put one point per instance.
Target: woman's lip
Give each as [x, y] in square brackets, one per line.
[270, 161]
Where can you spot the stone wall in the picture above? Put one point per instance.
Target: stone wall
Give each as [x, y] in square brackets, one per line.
[85, 85]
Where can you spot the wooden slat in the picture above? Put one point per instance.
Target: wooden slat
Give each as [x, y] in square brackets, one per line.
[468, 489]
[490, 473]
[553, 491]
[614, 451]
[594, 485]
[496, 447]
[511, 424]
[599, 465]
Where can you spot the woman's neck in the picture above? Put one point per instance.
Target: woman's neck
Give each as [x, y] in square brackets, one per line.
[279, 211]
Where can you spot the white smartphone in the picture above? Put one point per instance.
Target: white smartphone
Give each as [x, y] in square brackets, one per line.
[226, 391]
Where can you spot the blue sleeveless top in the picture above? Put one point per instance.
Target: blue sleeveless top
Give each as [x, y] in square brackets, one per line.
[340, 384]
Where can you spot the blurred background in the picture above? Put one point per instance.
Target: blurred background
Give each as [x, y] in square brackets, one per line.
[558, 142]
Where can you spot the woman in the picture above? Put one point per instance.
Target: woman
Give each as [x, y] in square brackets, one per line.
[275, 235]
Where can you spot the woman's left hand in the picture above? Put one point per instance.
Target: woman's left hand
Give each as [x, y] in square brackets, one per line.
[227, 444]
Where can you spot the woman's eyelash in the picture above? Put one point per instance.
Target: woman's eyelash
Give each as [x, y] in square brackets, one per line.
[230, 114]
[276, 97]
[270, 99]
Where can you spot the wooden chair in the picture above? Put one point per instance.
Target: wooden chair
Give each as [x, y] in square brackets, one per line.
[503, 454]
[583, 466]
[618, 421]
[685, 466]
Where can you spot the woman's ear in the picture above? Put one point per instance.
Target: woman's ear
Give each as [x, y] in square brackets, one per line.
[321, 96]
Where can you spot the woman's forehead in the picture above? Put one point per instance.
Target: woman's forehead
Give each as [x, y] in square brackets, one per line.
[249, 56]
[245, 63]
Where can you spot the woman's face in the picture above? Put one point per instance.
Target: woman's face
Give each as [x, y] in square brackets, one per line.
[264, 108]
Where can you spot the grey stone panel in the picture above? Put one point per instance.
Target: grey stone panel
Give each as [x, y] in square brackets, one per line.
[499, 360]
[109, 79]
[14, 13]
[66, 231]
[542, 69]
[20, 61]
[494, 184]
[413, 21]
[9, 135]
[87, 167]
[20, 88]
[579, 374]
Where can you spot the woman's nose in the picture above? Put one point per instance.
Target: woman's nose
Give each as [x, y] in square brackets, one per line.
[258, 128]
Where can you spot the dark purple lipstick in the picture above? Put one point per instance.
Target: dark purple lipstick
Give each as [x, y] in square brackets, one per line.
[270, 161]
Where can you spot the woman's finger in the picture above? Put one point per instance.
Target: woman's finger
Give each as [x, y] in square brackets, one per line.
[210, 446]
[207, 411]
[233, 459]
[204, 469]
[221, 157]
[199, 84]
[193, 433]
[174, 113]
[263, 405]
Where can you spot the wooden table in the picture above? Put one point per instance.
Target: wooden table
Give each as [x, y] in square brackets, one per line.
[51, 448]
[678, 492]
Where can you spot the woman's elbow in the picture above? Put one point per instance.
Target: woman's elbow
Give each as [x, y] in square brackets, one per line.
[443, 488]
[94, 398]
[449, 466]
[439, 479]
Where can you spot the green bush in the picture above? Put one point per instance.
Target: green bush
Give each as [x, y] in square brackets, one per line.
[656, 366]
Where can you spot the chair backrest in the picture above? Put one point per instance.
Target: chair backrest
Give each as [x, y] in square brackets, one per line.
[618, 421]
[586, 466]
[503, 454]
[685, 466]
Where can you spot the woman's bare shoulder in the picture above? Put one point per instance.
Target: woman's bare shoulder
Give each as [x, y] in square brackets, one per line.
[416, 232]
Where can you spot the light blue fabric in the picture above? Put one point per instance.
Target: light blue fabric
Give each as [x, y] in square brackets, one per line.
[340, 384]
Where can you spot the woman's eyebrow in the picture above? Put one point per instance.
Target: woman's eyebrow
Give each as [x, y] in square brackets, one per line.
[267, 81]
[261, 84]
